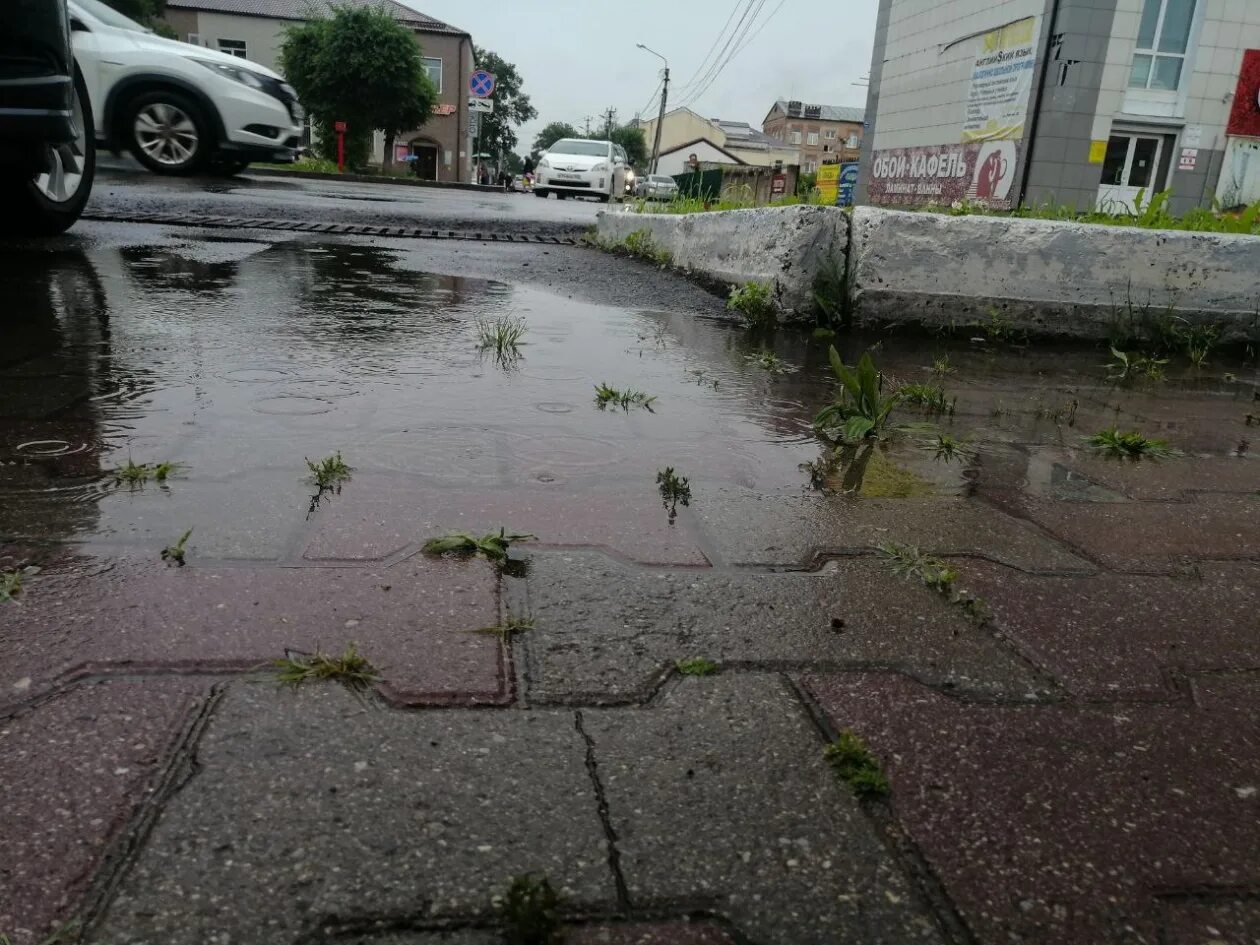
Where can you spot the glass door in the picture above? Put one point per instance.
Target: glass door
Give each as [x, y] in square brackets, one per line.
[1130, 167]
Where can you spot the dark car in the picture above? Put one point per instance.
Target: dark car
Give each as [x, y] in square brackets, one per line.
[47, 140]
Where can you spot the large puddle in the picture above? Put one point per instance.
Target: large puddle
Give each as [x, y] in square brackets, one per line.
[238, 360]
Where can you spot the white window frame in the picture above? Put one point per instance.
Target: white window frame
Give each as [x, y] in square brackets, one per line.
[426, 62]
[813, 139]
[830, 134]
[811, 167]
[853, 141]
[794, 137]
[235, 47]
[1154, 53]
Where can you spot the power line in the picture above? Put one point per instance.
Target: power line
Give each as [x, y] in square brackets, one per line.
[744, 40]
[717, 39]
[651, 101]
[714, 66]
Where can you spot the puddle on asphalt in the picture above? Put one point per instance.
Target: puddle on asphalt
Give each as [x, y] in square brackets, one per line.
[239, 359]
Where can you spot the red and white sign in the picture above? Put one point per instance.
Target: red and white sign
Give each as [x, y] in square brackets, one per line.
[1244, 117]
[978, 172]
[339, 127]
[444, 109]
[1189, 159]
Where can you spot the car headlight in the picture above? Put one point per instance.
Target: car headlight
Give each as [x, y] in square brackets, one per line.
[542, 163]
[243, 76]
[601, 166]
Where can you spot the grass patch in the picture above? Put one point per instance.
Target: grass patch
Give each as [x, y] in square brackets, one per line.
[174, 554]
[11, 584]
[501, 335]
[941, 368]
[606, 396]
[509, 628]
[947, 447]
[492, 547]
[350, 668]
[930, 397]
[853, 761]
[909, 561]
[674, 489]
[329, 473]
[530, 911]
[137, 474]
[771, 363]
[1131, 445]
[696, 666]
[862, 408]
[755, 302]
[641, 243]
[310, 165]
[1124, 367]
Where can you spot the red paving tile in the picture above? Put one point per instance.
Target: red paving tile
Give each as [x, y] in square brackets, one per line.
[1119, 635]
[74, 771]
[1062, 824]
[384, 516]
[410, 620]
[1166, 479]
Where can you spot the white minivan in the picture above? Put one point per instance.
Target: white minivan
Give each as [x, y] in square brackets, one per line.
[578, 167]
[180, 108]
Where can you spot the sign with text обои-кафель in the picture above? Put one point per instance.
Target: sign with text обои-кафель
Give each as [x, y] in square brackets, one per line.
[979, 172]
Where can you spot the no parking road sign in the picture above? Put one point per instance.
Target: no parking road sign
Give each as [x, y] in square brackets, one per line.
[481, 84]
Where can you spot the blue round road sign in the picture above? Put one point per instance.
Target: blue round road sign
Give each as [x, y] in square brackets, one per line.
[481, 83]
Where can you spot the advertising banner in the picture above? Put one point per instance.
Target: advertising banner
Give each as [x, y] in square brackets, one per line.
[828, 182]
[979, 172]
[1244, 117]
[848, 183]
[1001, 83]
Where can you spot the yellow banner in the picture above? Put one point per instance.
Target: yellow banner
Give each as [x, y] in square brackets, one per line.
[828, 181]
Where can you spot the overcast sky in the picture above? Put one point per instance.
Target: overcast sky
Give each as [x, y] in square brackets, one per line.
[578, 57]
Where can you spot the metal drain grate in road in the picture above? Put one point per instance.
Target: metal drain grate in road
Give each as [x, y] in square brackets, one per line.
[347, 229]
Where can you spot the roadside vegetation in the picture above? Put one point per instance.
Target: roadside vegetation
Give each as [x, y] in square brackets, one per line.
[174, 554]
[861, 408]
[510, 627]
[351, 669]
[754, 301]
[607, 396]
[137, 474]
[696, 666]
[1130, 445]
[11, 586]
[856, 765]
[529, 911]
[492, 547]
[502, 336]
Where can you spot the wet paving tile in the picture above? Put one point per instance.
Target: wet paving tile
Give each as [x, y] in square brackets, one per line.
[748, 528]
[679, 932]
[1065, 824]
[1127, 636]
[380, 518]
[411, 621]
[423, 814]
[76, 768]
[606, 633]
[1165, 480]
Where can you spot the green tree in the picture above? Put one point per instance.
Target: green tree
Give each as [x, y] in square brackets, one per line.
[635, 143]
[551, 134]
[513, 163]
[362, 67]
[512, 107]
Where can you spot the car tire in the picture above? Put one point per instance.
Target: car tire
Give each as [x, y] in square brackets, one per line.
[541, 193]
[48, 204]
[561, 196]
[604, 198]
[167, 132]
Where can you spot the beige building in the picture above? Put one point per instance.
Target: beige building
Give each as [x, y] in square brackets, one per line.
[728, 142]
[254, 29]
[825, 134]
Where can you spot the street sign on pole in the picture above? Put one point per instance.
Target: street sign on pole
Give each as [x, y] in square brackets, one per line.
[474, 125]
[481, 84]
[480, 105]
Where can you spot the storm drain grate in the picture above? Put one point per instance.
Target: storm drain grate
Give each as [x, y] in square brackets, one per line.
[348, 229]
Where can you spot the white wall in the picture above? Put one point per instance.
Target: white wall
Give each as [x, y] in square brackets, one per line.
[262, 36]
[923, 88]
[675, 161]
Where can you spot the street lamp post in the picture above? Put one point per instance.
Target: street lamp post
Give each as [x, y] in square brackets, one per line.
[660, 120]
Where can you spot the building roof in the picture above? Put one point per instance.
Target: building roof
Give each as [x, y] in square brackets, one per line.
[740, 134]
[828, 112]
[716, 147]
[306, 9]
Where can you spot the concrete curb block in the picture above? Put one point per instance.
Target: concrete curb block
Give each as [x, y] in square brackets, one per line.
[373, 179]
[1047, 277]
[789, 247]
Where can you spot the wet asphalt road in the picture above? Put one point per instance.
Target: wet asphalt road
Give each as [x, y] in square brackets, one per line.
[122, 185]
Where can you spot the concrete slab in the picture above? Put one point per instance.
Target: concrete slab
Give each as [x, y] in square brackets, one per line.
[748, 528]
[315, 808]
[1063, 824]
[75, 771]
[90, 615]
[720, 794]
[627, 520]
[606, 633]
[1128, 636]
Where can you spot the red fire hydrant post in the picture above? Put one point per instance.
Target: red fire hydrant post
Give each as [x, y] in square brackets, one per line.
[340, 128]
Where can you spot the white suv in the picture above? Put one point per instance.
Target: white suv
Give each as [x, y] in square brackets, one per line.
[581, 168]
[180, 108]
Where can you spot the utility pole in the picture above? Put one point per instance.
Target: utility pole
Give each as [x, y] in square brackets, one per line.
[610, 118]
[587, 119]
[660, 120]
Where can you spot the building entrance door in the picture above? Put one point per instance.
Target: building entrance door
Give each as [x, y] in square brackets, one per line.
[1131, 165]
[426, 161]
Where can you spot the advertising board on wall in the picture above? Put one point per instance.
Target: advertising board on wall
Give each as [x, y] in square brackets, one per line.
[1001, 83]
[976, 172]
[1244, 115]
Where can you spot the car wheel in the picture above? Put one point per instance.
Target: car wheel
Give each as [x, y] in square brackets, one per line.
[168, 133]
[541, 193]
[561, 196]
[604, 198]
[50, 202]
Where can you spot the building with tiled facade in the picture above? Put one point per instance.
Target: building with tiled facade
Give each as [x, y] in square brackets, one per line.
[825, 134]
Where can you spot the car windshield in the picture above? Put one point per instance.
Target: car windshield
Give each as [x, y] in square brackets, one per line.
[574, 146]
[107, 15]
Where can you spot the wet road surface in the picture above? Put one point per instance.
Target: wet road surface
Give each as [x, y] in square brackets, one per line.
[1073, 757]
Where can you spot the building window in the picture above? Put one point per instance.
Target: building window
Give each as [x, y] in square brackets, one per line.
[433, 69]
[1163, 37]
[811, 166]
[233, 47]
[826, 149]
[795, 137]
[852, 141]
[830, 134]
[813, 138]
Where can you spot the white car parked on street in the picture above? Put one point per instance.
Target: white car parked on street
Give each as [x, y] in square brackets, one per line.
[577, 167]
[180, 108]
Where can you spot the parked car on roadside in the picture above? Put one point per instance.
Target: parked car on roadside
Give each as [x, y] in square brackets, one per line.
[47, 147]
[578, 167]
[656, 187]
[180, 108]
